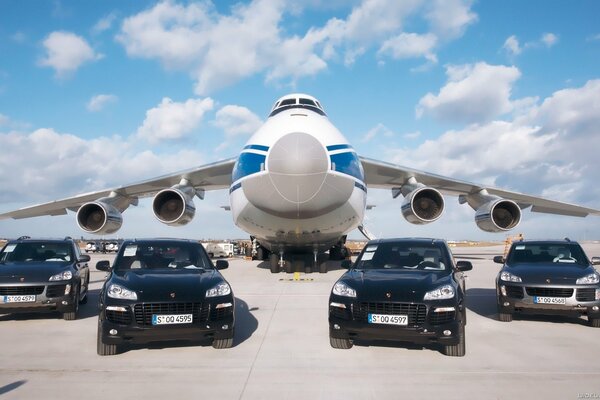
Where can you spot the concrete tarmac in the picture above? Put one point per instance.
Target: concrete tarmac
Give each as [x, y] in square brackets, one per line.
[281, 351]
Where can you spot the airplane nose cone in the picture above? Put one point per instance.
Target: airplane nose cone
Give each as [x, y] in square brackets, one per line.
[297, 154]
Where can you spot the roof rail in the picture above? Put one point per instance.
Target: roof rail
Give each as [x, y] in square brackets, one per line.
[24, 237]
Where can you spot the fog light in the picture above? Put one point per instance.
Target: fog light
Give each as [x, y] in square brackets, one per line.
[506, 304]
[67, 289]
[503, 290]
[64, 302]
[447, 332]
[595, 308]
[336, 327]
[225, 327]
[113, 332]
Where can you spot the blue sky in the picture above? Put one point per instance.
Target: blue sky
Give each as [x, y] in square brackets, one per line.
[99, 94]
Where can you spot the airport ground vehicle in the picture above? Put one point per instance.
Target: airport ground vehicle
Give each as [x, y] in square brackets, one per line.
[403, 290]
[548, 277]
[164, 289]
[219, 249]
[91, 247]
[43, 275]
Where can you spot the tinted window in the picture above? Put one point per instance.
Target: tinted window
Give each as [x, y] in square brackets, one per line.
[405, 256]
[162, 255]
[348, 163]
[36, 252]
[287, 102]
[308, 102]
[555, 253]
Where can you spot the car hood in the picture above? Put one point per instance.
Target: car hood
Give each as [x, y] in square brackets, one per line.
[167, 285]
[559, 274]
[31, 272]
[375, 285]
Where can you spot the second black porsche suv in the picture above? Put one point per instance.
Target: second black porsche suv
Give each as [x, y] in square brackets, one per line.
[548, 277]
[164, 289]
[403, 290]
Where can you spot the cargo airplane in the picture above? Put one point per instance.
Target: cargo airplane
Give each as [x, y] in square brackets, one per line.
[298, 187]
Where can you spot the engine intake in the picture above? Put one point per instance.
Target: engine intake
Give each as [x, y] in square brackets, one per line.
[498, 215]
[422, 205]
[99, 217]
[174, 206]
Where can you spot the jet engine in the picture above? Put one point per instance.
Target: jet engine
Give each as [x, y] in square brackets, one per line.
[421, 204]
[174, 206]
[99, 217]
[493, 213]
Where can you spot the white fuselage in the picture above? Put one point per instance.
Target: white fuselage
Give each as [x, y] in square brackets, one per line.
[298, 185]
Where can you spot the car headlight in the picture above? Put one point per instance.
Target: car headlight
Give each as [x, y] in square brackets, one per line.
[341, 289]
[63, 276]
[508, 277]
[221, 289]
[589, 279]
[441, 293]
[119, 292]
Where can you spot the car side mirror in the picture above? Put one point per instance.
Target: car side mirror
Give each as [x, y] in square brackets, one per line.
[84, 258]
[595, 260]
[103, 265]
[222, 264]
[464, 265]
[346, 264]
[499, 259]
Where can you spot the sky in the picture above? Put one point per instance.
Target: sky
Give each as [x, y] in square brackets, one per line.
[97, 94]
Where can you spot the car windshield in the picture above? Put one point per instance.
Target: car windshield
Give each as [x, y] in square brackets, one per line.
[553, 254]
[36, 252]
[163, 255]
[409, 256]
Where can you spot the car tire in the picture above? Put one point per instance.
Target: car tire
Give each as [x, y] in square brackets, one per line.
[457, 350]
[323, 267]
[84, 300]
[72, 315]
[594, 322]
[104, 349]
[222, 343]
[339, 343]
[274, 260]
[505, 317]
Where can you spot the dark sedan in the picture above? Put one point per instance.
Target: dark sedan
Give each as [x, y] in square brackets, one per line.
[403, 290]
[164, 290]
[43, 275]
[548, 277]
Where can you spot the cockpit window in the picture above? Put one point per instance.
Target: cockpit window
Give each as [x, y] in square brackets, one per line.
[287, 102]
[308, 102]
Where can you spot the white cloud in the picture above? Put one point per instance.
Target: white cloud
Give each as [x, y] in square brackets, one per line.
[408, 45]
[593, 38]
[4, 119]
[18, 37]
[104, 23]
[474, 93]
[377, 130]
[450, 18]
[511, 45]
[549, 39]
[236, 121]
[98, 102]
[172, 120]
[66, 52]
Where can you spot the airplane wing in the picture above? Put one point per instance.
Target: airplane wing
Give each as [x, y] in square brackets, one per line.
[380, 174]
[207, 177]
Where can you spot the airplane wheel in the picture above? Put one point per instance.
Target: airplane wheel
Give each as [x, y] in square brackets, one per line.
[323, 267]
[274, 260]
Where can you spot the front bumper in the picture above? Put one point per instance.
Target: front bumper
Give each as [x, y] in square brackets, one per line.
[429, 326]
[48, 297]
[520, 297]
[134, 326]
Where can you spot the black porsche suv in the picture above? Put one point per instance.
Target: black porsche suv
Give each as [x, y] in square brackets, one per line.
[548, 277]
[403, 290]
[164, 289]
[43, 275]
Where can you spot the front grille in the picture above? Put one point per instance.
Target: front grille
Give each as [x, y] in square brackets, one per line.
[586, 294]
[516, 292]
[416, 312]
[55, 290]
[119, 317]
[549, 292]
[21, 290]
[143, 312]
[439, 318]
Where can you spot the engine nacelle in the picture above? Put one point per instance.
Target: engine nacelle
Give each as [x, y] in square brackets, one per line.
[99, 218]
[498, 215]
[422, 205]
[174, 206]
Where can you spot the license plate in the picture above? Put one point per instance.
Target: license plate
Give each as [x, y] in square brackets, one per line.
[30, 298]
[388, 319]
[171, 319]
[549, 300]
